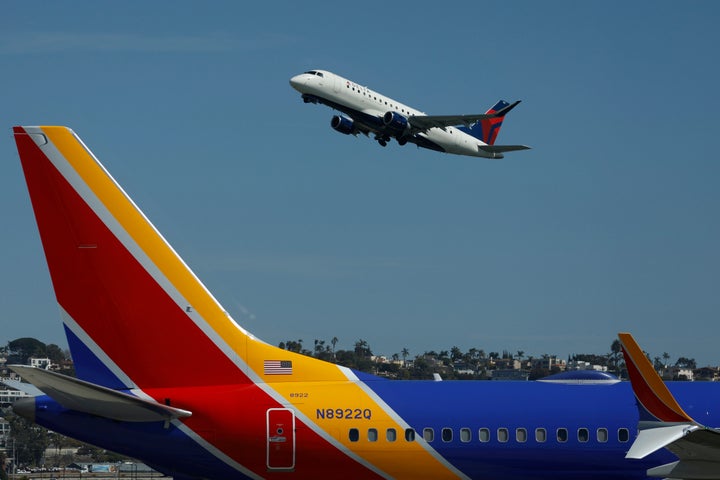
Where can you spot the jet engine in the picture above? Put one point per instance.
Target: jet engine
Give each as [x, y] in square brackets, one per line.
[395, 122]
[342, 124]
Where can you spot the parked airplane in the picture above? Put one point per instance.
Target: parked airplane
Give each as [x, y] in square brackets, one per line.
[165, 375]
[665, 424]
[366, 111]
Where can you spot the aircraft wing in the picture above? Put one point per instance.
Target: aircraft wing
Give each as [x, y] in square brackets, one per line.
[76, 394]
[426, 122]
[696, 446]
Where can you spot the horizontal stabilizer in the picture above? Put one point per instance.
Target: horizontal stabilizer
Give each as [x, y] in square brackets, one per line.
[686, 469]
[27, 388]
[502, 148]
[75, 394]
[653, 439]
[496, 151]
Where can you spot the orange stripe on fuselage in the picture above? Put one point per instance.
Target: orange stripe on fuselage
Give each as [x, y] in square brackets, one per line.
[338, 407]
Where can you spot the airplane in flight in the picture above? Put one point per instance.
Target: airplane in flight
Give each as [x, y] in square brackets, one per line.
[165, 375]
[368, 112]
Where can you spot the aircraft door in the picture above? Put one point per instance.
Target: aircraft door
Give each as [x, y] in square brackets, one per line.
[280, 439]
[336, 84]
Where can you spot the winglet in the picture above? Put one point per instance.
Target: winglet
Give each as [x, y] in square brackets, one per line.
[652, 394]
[504, 111]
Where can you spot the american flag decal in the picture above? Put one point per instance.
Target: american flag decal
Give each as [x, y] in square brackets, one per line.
[277, 367]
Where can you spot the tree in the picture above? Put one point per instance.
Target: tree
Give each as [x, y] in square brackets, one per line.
[291, 345]
[21, 349]
[456, 354]
[3, 462]
[657, 364]
[362, 349]
[666, 358]
[55, 354]
[683, 362]
[615, 351]
[30, 440]
[405, 352]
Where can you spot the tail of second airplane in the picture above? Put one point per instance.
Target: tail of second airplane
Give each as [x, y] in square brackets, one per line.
[487, 130]
[664, 423]
[133, 311]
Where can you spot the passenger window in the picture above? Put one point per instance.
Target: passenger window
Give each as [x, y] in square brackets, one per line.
[583, 435]
[562, 435]
[354, 435]
[602, 435]
[372, 434]
[428, 434]
[540, 435]
[390, 434]
[465, 435]
[447, 434]
[484, 435]
[623, 435]
[521, 435]
[409, 435]
[503, 435]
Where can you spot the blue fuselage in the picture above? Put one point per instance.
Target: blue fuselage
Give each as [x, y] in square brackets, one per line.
[484, 429]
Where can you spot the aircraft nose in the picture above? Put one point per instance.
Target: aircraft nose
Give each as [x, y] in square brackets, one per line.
[25, 407]
[297, 81]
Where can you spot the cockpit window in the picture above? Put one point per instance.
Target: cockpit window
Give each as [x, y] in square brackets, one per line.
[314, 72]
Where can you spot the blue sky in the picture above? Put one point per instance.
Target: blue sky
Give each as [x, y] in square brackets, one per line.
[609, 224]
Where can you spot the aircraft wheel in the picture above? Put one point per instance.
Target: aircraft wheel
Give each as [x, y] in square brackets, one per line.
[382, 143]
[402, 141]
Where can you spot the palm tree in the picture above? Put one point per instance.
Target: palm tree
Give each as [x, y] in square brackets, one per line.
[333, 342]
[405, 352]
[616, 349]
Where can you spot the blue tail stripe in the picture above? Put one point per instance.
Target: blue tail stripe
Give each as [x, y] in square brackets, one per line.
[88, 366]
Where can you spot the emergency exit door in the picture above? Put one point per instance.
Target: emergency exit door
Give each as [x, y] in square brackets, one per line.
[280, 439]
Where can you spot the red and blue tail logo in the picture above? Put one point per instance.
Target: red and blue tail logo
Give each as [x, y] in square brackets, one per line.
[487, 130]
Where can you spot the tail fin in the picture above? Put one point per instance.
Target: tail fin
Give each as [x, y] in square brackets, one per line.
[137, 317]
[652, 394]
[488, 130]
[664, 423]
[132, 309]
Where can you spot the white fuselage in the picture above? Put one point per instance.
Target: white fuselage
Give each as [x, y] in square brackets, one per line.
[359, 101]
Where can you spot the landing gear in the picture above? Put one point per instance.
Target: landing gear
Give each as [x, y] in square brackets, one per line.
[382, 140]
[402, 141]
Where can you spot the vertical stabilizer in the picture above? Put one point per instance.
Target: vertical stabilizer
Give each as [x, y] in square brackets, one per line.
[487, 130]
[133, 311]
